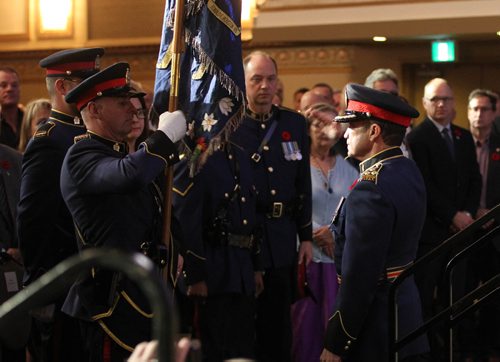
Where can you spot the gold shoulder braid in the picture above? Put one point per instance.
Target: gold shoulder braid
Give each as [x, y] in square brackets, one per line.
[44, 129]
[371, 174]
[81, 137]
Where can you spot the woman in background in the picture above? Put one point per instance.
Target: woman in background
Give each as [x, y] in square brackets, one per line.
[36, 112]
[140, 124]
[331, 179]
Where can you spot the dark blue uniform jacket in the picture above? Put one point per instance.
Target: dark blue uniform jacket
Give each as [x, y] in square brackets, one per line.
[377, 232]
[115, 203]
[283, 181]
[45, 227]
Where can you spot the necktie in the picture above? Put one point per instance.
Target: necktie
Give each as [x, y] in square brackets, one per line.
[448, 141]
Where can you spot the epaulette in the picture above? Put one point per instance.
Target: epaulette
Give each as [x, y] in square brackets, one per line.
[44, 129]
[81, 137]
[371, 174]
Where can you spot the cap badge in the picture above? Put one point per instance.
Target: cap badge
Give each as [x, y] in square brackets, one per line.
[76, 120]
[127, 76]
[99, 94]
[116, 147]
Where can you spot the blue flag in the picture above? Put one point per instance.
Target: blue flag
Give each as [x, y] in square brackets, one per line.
[212, 84]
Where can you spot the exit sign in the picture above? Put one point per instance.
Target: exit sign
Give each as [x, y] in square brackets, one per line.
[443, 51]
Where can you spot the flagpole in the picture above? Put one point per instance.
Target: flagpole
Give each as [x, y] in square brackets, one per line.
[177, 49]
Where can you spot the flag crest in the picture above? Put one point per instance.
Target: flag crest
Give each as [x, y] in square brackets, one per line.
[212, 84]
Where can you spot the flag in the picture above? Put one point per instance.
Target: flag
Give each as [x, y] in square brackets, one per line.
[212, 84]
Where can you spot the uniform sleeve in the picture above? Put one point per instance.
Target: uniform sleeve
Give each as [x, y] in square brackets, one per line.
[188, 203]
[40, 198]
[303, 187]
[368, 227]
[95, 171]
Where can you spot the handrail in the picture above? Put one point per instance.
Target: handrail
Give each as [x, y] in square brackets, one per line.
[458, 240]
[137, 267]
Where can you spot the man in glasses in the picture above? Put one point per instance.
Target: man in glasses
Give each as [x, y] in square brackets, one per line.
[45, 227]
[446, 156]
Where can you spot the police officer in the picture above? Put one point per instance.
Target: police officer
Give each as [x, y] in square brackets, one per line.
[115, 202]
[44, 224]
[216, 210]
[276, 141]
[377, 231]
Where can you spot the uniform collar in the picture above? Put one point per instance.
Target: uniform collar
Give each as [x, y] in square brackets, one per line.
[116, 146]
[259, 116]
[65, 118]
[382, 155]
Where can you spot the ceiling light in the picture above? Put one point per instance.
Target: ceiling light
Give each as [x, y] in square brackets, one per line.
[498, 33]
[379, 38]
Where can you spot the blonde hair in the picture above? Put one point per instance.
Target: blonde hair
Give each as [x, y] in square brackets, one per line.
[32, 108]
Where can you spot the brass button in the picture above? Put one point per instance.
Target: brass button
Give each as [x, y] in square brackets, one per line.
[230, 157]
[226, 195]
[270, 169]
[273, 192]
[348, 343]
[346, 348]
[243, 199]
[265, 148]
[263, 125]
[245, 221]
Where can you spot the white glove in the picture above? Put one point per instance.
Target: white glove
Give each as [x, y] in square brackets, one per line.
[173, 125]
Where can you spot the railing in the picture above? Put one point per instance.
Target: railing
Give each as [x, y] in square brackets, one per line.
[463, 241]
[137, 267]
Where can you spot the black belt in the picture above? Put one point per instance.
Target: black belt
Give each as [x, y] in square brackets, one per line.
[276, 210]
[240, 241]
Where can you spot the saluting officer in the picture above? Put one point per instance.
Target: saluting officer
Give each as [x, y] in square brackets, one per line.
[376, 232]
[115, 202]
[44, 224]
[276, 140]
[221, 250]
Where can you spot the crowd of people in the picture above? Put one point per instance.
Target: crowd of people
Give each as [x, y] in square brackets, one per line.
[287, 238]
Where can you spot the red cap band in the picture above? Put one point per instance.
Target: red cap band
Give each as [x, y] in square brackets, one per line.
[63, 68]
[378, 112]
[91, 93]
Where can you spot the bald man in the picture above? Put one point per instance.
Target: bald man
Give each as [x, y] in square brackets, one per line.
[445, 154]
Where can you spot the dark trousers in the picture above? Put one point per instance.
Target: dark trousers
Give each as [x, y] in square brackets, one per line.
[57, 340]
[98, 347]
[227, 326]
[274, 330]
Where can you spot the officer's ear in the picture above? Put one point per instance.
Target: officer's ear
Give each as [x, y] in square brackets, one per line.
[375, 131]
[93, 109]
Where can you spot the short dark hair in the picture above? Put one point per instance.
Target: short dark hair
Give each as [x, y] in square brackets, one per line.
[324, 85]
[301, 90]
[485, 93]
[9, 70]
[392, 134]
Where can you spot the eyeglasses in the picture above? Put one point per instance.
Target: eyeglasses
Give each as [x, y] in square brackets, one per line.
[436, 100]
[141, 113]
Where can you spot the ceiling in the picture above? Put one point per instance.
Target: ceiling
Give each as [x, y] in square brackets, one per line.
[402, 21]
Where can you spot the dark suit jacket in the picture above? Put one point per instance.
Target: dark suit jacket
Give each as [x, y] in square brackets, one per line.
[452, 185]
[10, 174]
[493, 182]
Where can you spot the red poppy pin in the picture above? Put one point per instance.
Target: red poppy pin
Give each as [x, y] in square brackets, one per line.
[286, 136]
[457, 132]
[5, 165]
[495, 156]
